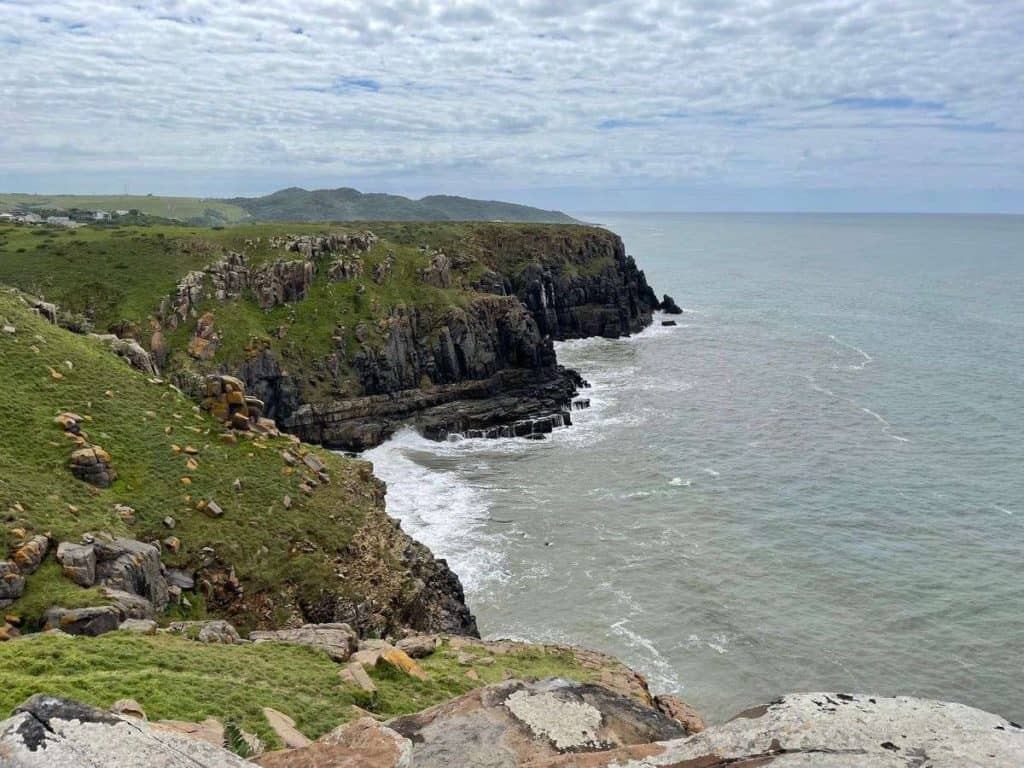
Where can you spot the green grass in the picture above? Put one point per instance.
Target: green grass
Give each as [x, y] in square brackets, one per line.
[175, 678]
[256, 534]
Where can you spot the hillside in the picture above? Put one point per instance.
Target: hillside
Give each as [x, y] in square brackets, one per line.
[344, 204]
[276, 553]
[294, 205]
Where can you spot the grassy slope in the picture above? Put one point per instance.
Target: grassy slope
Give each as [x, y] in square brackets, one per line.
[183, 208]
[255, 532]
[175, 678]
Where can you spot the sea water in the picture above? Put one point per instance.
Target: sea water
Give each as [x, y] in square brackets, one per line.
[815, 481]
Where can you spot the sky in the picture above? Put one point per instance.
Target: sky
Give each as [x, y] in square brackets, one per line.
[861, 105]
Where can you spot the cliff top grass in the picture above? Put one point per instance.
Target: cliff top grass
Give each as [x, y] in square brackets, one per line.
[175, 678]
[139, 421]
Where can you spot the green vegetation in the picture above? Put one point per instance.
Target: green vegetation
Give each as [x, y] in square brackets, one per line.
[346, 204]
[47, 370]
[292, 204]
[175, 678]
[114, 279]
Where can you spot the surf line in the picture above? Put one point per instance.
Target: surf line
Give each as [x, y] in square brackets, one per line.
[867, 358]
[886, 426]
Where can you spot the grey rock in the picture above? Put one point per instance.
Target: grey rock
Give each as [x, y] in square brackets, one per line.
[418, 646]
[336, 640]
[12, 583]
[78, 562]
[138, 626]
[131, 566]
[48, 731]
[91, 622]
[180, 578]
[215, 631]
[518, 723]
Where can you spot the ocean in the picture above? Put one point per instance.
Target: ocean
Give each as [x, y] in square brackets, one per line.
[814, 482]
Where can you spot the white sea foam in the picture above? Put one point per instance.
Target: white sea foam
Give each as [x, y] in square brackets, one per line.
[680, 482]
[866, 358]
[712, 472]
[440, 508]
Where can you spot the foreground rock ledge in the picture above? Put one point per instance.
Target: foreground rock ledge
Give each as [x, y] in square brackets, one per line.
[552, 724]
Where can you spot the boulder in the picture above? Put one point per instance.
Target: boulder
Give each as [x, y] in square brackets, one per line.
[355, 674]
[91, 622]
[669, 323]
[336, 640]
[78, 562]
[517, 723]
[138, 626]
[418, 646]
[93, 465]
[681, 712]
[30, 553]
[215, 631]
[400, 660]
[834, 730]
[49, 731]
[363, 743]
[131, 566]
[669, 307]
[128, 708]
[12, 583]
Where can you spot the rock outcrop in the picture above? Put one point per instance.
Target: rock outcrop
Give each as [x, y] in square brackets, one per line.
[832, 730]
[49, 731]
[575, 286]
[364, 743]
[336, 640]
[520, 723]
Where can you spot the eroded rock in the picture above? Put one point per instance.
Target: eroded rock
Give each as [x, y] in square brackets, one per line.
[364, 743]
[337, 640]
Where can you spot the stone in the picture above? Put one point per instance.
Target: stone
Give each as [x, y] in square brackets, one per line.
[129, 605]
[78, 562]
[131, 566]
[669, 306]
[336, 640]
[30, 553]
[418, 646]
[669, 323]
[93, 465]
[355, 674]
[363, 743]
[138, 626]
[215, 631]
[128, 708]
[182, 579]
[90, 622]
[211, 730]
[173, 543]
[681, 712]
[518, 723]
[169, 522]
[284, 727]
[46, 731]
[12, 583]
[213, 509]
[400, 660]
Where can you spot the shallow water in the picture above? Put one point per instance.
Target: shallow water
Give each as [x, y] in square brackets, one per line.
[813, 482]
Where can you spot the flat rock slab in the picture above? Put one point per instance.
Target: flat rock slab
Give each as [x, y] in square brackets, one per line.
[833, 730]
[285, 729]
[364, 743]
[48, 731]
[336, 640]
[517, 723]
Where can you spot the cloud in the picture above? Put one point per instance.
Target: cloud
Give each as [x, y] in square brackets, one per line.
[476, 96]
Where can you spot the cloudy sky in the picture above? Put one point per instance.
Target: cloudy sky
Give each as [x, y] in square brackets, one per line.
[706, 104]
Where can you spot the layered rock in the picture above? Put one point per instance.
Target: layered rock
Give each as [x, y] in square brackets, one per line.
[575, 286]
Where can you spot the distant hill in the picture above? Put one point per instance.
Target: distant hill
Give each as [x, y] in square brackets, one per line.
[346, 204]
[292, 204]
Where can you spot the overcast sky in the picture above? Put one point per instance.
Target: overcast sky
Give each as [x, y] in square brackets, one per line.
[708, 104]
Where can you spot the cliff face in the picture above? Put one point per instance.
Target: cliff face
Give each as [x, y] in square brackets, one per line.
[450, 327]
[577, 287]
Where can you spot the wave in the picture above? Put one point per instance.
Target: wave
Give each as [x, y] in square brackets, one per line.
[867, 359]
[886, 426]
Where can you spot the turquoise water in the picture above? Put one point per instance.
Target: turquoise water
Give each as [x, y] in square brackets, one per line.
[815, 481]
